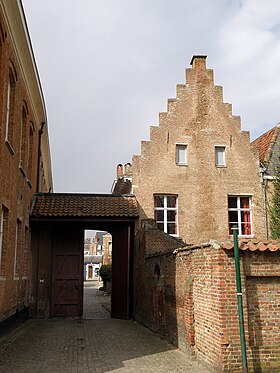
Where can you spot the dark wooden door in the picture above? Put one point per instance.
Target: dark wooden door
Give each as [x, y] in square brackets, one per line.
[67, 273]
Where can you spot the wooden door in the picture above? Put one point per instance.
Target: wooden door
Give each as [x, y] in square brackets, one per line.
[67, 273]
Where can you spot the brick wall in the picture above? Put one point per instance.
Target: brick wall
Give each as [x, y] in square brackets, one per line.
[18, 161]
[189, 297]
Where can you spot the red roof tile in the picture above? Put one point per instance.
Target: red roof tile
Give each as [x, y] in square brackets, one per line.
[83, 205]
[264, 143]
[252, 244]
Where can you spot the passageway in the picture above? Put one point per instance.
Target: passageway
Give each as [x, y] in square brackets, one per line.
[97, 304]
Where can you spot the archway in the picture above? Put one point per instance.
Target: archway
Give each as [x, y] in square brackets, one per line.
[58, 224]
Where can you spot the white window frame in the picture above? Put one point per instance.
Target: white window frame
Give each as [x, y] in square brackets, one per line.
[217, 149]
[183, 147]
[239, 210]
[165, 209]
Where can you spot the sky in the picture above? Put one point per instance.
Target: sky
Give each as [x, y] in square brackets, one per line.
[107, 68]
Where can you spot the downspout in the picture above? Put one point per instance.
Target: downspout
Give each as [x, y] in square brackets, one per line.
[39, 156]
[239, 301]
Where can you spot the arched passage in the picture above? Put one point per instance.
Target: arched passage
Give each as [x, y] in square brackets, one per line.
[58, 224]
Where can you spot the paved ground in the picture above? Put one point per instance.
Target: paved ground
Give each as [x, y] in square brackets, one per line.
[94, 344]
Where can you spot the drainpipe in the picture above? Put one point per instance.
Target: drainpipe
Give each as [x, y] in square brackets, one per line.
[39, 155]
[239, 300]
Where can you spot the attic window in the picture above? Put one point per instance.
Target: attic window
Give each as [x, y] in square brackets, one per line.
[220, 156]
[181, 154]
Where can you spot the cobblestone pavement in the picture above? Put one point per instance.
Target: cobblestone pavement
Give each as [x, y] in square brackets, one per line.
[90, 346]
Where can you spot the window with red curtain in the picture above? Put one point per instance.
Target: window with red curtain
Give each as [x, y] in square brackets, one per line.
[240, 214]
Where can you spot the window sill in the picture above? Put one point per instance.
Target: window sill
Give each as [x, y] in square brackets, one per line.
[9, 146]
[220, 166]
[181, 164]
[2, 279]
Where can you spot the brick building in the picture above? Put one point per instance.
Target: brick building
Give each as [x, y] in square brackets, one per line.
[25, 165]
[196, 178]
[197, 175]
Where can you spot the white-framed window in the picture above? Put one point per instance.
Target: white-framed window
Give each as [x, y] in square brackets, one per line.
[220, 156]
[240, 214]
[166, 213]
[10, 107]
[181, 154]
[3, 243]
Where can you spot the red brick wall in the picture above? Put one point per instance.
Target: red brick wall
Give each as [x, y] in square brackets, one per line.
[17, 181]
[193, 302]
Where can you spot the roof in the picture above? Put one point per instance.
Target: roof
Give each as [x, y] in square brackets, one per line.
[83, 205]
[265, 142]
[252, 244]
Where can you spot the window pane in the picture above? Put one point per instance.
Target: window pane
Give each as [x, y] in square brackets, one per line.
[171, 216]
[245, 216]
[159, 215]
[171, 201]
[159, 201]
[160, 226]
[232, 202]
[171, 228]
[220, 155]
[181, 153]
[246, 228]
[245, 202]
[233, 216]
[231, 225]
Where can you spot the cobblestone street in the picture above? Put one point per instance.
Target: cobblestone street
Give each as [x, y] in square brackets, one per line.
[95, 344]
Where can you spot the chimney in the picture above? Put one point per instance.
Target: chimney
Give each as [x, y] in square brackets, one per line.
[119, 171]
[128, 170]
[199, 63]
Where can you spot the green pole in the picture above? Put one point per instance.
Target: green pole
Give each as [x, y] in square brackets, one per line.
[239, 301]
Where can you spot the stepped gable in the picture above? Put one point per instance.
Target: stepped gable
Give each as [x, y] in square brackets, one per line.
[83, 205]
[195, 100]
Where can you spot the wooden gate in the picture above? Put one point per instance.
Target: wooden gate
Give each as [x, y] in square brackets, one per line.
[67, 273]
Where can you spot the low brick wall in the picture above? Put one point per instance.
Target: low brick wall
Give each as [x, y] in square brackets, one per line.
[188, 296]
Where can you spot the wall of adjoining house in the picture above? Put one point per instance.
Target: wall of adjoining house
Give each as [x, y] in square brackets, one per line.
[199, 118]
[190, 299]
[18, 161]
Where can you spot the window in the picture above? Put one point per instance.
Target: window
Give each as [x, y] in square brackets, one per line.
[166, 213]
[23, 130]
[3, 239]
[181, 154]
[220, 156]
[18, 249]
[240, 215]
[10, 107]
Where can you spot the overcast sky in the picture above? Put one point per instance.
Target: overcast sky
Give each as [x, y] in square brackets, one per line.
[107, 68]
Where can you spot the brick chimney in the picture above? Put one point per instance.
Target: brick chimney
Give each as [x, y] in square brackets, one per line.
[128, 170]
[119, 171]
[199, 63]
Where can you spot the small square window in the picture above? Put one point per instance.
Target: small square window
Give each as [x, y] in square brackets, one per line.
[220, 156]
[181, 154]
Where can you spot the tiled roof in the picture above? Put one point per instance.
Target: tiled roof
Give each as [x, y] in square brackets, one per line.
[252, 244]
[264, 143]
[83, 205]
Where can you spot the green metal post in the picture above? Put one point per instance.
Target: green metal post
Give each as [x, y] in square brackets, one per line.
[239, 300]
